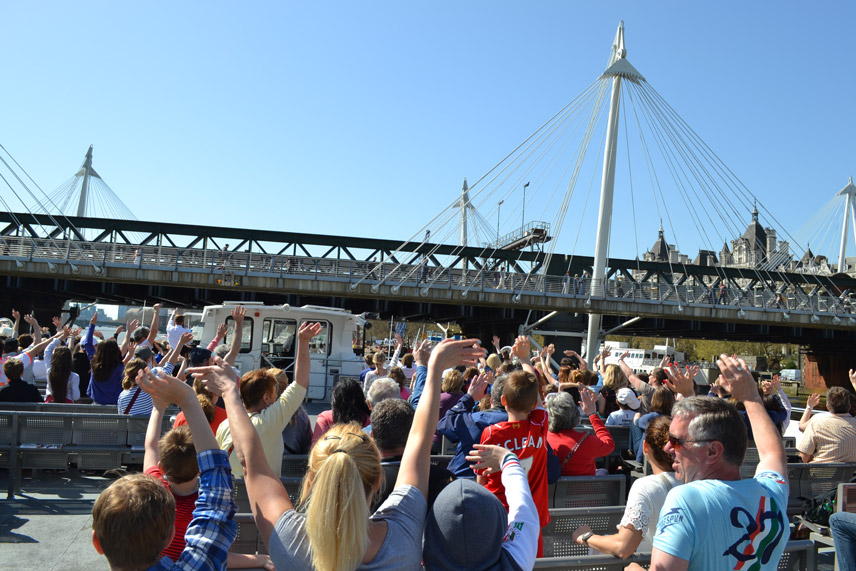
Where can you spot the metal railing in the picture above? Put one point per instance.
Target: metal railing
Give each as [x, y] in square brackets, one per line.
[354, 272]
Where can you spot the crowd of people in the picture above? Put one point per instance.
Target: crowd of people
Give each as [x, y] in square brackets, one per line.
[371, 499]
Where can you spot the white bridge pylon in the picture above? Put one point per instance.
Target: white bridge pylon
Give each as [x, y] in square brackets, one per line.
[618, 69]
[848, 192]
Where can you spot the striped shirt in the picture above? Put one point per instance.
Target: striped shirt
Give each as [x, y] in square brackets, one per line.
[143, 404]
[830, 438]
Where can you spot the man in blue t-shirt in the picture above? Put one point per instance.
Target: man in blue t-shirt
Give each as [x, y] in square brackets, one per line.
[716, 520]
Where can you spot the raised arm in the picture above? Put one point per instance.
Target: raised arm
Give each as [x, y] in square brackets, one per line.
[16, 315]
[812, 401]
[583, 364]
[175, 352]
[37, 331]
[132, 326]
[628, 372]
[268, 497]
[238, 314]
[416, 459]
[153, 433]
[421, 354]
[153, 330]
[168, 389]
[736, 376]
[42, 345]
[394, 361]
[221, 334]
[303, 362]
[521, 350]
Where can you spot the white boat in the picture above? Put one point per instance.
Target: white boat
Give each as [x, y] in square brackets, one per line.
[269, 340]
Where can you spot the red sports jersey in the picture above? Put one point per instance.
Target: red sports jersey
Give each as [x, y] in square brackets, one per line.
[528, 440]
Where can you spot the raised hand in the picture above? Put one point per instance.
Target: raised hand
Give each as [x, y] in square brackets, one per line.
[777, 383]
[487, 457]
[165, 388]
[495, 341]
[521, 348]
[132, 325]
[421, 353]
[737, 379]
[588, 400]
[238, 314]
[624, 355]
[31, 320]
[813, 400]
[767, 387]
[398, 342]
[221, 330]
[217, 378]
[185, 338]
[156, 307]
[307, 331]
[451, 353]
[57, 322]
[478, 386]
[679, 382]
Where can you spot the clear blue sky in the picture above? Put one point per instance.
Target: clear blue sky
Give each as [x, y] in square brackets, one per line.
[362, 118]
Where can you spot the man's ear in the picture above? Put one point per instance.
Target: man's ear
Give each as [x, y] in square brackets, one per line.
[716, 450]
[502, 400]
[96, 544]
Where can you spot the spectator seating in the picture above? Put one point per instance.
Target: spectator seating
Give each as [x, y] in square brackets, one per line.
[588, 491]
[563, 521]
[53, 440]
[800, 555]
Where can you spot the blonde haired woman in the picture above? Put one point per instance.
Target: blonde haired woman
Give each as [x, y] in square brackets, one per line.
[332, 529]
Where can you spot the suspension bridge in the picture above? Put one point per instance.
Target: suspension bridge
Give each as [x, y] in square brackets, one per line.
[460, 258]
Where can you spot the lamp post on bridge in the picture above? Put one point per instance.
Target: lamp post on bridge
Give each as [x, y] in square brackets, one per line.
[523, 213]
[498, 206]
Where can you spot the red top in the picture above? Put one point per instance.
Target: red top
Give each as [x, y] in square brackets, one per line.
[527, 439]
[594, 446]
[183, 514]
[219, 416]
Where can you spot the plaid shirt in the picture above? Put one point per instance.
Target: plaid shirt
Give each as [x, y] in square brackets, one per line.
[212, 530]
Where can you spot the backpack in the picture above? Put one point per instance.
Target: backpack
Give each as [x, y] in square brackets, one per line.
[818, 509]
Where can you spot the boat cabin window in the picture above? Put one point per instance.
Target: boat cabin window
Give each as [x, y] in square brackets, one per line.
[246, 333]
[320, 344]
[278, 336]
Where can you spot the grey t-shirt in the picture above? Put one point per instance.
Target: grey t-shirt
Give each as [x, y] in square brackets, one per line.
[404, 512]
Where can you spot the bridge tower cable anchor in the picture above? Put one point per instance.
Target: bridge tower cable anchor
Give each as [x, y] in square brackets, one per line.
[618, 69]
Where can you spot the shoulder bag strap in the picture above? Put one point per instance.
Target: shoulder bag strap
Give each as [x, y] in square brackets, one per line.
[133, 400]
[571, 453]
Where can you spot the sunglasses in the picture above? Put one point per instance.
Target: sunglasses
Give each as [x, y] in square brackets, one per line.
[682, 442]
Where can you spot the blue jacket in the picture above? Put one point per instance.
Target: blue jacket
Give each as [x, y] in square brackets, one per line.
[465, 427]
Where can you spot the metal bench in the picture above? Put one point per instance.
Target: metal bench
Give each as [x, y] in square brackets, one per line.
[588, 491]
[563, 521]
[800, 555]
[294, 465]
